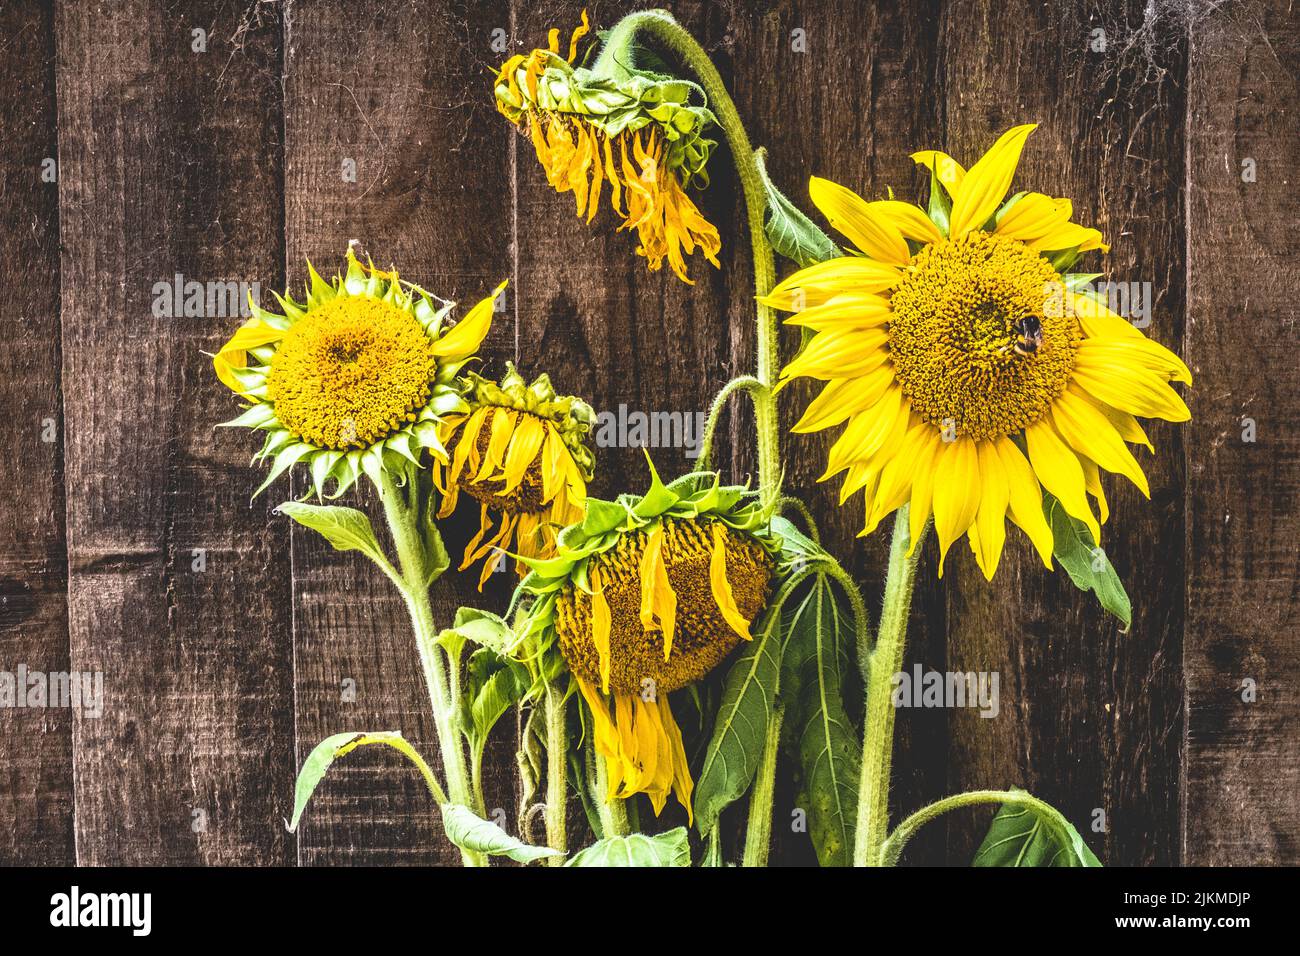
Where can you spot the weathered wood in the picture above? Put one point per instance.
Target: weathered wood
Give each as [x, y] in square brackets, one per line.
[403, 92]
[36, 770]
[178, 591]
[1242, 760]
[1067, 674]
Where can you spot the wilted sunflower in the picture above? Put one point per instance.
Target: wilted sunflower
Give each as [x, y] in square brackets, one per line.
[637, 130]
[644, 597]
[972, 367]
[520, 451]
[353, 380]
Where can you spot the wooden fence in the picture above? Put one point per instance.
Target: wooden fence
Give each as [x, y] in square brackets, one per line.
[145, 139]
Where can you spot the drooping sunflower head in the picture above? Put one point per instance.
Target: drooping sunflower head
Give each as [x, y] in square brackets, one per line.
[641, 132]
[979, 376]
[521, 451]
[645, 596]
[354, 379]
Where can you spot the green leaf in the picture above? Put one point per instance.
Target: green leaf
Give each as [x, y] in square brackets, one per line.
[493, 684]
[347, 529]
[666, 849]
[1033, 833]
[1086, 564]
[740, 729]
[469, 831]
[940, 206]
[481, 627]
[332, 748]
[791, 233]
[436, 558]
[817, 643]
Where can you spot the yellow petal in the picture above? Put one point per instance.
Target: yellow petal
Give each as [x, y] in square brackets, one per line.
[947, 170]
[1059, 471]
[682, 783]
[865, 434]
[601, 621]
[1025, 498]
[956, 492]
[819, 283]
[982, 190]
[658, 602]
[989, 531]
[1033, 215]
[502, 429]
[234, 354]
[840, 355]
[910, 220]
[1137, 391]
[844, 397]
[524, 446]
[922, 491]
[870, 230]
[466, 336]
[721, 586]
[1090, 433]
[844, 313]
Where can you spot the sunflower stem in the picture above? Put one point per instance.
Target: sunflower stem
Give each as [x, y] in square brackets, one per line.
[886, 661]
[746, 383]
[403, 523]
[758, 828]
[616, 59]
[612, 811]
[557, 794]
[892, 848]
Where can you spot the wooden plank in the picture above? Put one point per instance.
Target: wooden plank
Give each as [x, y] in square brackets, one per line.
[1089, 717]
[402, 91]
[866, 118]
[36, 774]
[178, 591]
[1242, 761]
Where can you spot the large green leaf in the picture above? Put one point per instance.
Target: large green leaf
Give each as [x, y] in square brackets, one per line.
[818, 638]
[666, 849]
[493, 684]
[347, 529]
[740, 728]
[1033, 833]
[1086, 564]
[469, 831]
[791, 233]
[332, 748]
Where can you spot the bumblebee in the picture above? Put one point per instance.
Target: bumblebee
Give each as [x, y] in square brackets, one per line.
[1029, 335]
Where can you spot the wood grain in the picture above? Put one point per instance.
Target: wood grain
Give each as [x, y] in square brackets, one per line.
[36, 770]
[399, 90]
[170, 163]
[1242, 761]
[229, 165]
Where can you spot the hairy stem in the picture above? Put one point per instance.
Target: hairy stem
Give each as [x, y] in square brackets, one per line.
[402, 519]
[886, 661]
[557, 793]
[758, 828]
[893, 847]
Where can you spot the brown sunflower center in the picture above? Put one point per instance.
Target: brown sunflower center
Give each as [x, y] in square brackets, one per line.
[978, 337]
[702, 638]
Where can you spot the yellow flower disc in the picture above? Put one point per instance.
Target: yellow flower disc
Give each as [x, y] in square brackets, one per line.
[350, 372]
[954, 326]
[702, 636]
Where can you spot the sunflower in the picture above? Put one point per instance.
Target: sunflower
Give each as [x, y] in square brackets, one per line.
[973, 369]
[644, 597]
[637, 130]
[520, 450]
[355, 379]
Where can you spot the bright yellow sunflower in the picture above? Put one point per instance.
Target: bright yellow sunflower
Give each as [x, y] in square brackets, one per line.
[521, 452]
[636, 130]
[355, 379]
[973, 369]
[645, 596]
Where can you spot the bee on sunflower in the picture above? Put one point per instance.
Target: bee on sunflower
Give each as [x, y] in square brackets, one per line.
[354, 380]
[637, 130]
[520, 450]
[646, 596]
[973, 369]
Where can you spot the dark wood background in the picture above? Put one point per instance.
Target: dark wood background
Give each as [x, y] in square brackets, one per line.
[227, 165]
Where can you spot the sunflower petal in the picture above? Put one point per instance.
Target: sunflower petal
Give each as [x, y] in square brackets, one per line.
[982, 189]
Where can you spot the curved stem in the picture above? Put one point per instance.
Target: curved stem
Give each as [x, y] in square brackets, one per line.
[892, 848]
[745, 383]
[791, 502]
[616, 60]
[886, 661]
[403, 524]
[557, 794]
